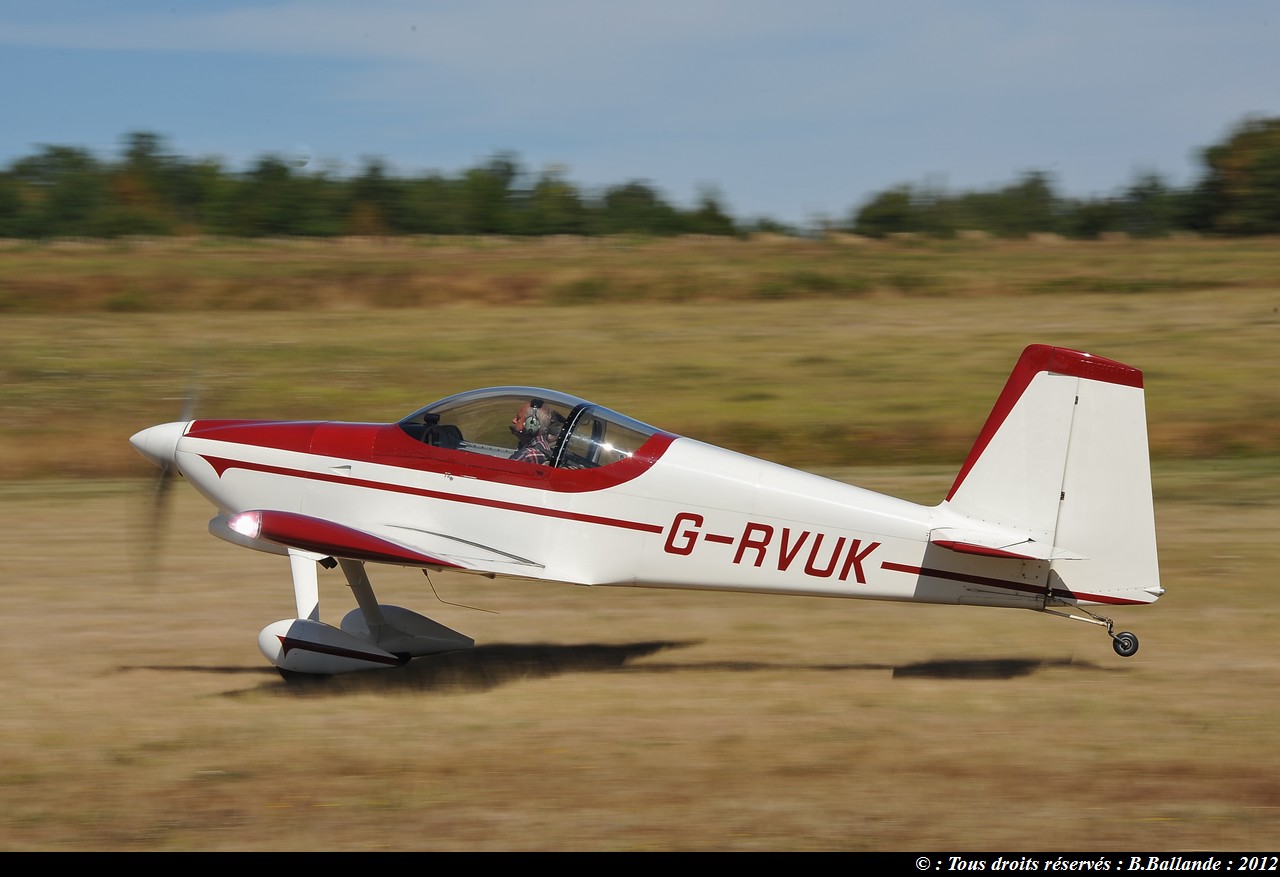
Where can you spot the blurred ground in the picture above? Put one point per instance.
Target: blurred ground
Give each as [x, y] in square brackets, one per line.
[139, 715]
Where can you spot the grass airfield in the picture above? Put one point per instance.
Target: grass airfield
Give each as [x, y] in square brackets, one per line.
[138, 714]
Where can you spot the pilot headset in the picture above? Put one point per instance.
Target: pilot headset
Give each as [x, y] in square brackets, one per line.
[532, 425]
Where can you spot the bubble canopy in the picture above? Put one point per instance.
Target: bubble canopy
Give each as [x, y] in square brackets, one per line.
[584, 435]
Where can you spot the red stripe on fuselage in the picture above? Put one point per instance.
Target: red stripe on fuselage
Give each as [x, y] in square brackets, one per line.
[388, 445]
[1043, 358]
[222, 464]
[1005, 584]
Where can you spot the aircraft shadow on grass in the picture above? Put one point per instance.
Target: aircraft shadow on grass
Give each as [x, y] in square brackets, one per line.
[487, 667]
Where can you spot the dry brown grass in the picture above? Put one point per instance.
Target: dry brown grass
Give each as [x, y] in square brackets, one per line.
[212, 275]
[138, 715]
[807, 382]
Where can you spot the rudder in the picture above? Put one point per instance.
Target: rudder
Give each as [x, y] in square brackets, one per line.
[1063, 458]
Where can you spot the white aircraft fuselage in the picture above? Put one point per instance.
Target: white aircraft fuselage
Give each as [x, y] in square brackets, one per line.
[1052, 508]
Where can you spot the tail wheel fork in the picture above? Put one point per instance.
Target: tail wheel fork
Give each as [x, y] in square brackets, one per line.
[1124, 642]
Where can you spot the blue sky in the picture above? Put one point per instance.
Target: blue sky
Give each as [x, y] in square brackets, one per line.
[794, 110]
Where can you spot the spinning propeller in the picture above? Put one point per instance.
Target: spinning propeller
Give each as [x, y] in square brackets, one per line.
[159, 444]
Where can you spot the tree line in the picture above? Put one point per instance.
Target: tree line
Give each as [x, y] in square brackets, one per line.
[65, 191]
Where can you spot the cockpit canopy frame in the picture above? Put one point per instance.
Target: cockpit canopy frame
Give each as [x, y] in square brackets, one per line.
[584, 435]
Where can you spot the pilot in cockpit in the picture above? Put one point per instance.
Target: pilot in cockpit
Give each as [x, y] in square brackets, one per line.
[532, 429]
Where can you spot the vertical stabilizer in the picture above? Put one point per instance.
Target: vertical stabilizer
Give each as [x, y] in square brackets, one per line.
[1063, 459]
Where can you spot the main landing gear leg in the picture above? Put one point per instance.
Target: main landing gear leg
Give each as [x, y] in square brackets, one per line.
[1124, 642]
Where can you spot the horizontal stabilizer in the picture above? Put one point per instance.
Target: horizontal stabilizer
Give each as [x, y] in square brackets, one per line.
[989, 544]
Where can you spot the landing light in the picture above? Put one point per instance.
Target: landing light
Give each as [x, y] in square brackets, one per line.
[246, 524]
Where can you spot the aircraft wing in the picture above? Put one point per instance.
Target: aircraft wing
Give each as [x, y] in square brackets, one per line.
[399, 545]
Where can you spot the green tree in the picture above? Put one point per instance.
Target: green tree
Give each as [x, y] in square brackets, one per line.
[268, 201]
[710, 217]
[488, 195]
[11, 224]
[890, 212]
[1092, 218]
[65, 192]
[1150, 207]
[1028, 206]
[555, 206]
[1240, 193]
[636, 208]
[139, 189]
[377, 202]
[433, 205]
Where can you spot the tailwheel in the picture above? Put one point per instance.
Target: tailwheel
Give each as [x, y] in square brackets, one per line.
[1125, 644]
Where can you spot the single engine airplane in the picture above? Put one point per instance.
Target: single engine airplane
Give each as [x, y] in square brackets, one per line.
[1051, 511]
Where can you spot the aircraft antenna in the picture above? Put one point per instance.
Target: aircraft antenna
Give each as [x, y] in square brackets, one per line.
[427, 573]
